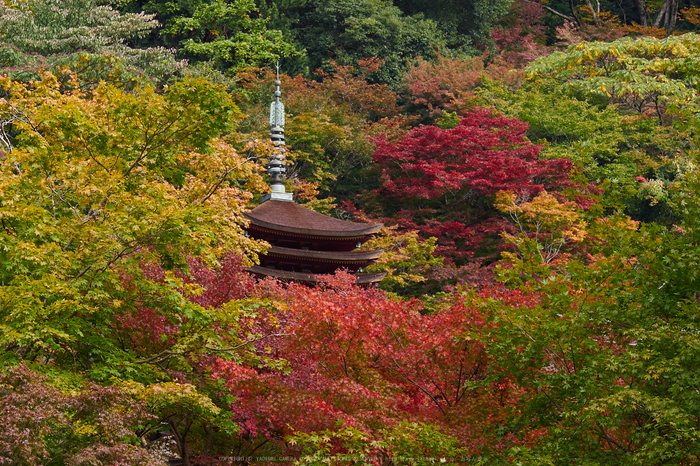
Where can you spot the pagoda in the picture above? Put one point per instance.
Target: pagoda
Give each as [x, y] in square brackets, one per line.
[304, 243]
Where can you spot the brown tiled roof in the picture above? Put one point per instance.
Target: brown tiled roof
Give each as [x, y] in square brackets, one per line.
[290, 217]
[362, 278]
[332, 256]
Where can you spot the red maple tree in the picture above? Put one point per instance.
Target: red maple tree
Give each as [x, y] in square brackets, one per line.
[441, 182]
[358, 357]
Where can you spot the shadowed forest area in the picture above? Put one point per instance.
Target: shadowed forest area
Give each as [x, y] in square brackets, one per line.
[536, 168]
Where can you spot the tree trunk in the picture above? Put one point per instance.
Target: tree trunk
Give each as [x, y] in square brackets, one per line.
[207, 446]
[667, 16]
[672, 16]
[642, 12]
[574, 15]
[659, 21]
[181, 440]
[596, 19]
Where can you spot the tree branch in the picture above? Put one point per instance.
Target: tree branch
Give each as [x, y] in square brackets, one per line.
[553, 11]
[167, 354]
[239, 346]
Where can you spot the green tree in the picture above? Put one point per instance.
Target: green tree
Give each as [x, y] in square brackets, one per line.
[466, 25]
[231, 35]
[215, 35]
[606, 147]
[82, 34]
[652, 77]
[619, 111]
[347, 31]
[407, 261]
[605, 349]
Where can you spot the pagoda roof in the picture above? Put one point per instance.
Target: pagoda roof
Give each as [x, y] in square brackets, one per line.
[290, 217]
[330, 256]
[362, 278]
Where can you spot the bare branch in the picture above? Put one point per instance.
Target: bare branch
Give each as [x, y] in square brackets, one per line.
[10, 117]
[553, 11]
[245, 343]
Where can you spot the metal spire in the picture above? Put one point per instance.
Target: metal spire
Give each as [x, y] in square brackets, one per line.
[277, 168]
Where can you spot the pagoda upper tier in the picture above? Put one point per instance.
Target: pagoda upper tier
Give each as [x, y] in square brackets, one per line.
[289, 225]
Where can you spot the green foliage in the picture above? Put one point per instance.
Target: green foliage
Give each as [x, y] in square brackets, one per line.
[595, 139]
[347, 31]
[315, 136]
[229, 35]
[185, 410]
[409, 443]
[79, 33]
[418, 443]
[448, 120]
[543, 228]
[606, 350]
[632, 157]
[407, 260]
[464, 24]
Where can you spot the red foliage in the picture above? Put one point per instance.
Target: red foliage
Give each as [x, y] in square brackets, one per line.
[444, 178]
[148, 328]
[342, 95]
[40, 423]
[371, 362]
[521, 40]
[474, 275]
[445, 84]
[228, 282]
[353, 355]
[484, 153]
[30, 407]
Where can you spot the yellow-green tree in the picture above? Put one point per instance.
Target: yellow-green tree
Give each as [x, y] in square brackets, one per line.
[94, 189]
[640, 75]
[545, 220]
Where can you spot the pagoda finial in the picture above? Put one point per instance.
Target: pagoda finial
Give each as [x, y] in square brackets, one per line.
[277, 168]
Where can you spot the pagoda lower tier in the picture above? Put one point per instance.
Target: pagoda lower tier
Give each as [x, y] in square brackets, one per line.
[363, 279]
[305, 243]
[318, 262]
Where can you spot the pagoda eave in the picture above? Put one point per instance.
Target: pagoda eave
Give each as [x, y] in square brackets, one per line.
[291, 218]
[286, 275]
[327, 256]
[306, 233]
[369, 230]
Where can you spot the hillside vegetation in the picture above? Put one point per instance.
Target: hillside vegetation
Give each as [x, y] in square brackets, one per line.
[536, 167]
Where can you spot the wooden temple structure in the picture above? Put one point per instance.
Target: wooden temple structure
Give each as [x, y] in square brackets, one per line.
[304, 243]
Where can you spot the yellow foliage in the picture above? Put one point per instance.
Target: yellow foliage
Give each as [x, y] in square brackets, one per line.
[96, 184]
[544, 220]
[691, 14]
[406, 259]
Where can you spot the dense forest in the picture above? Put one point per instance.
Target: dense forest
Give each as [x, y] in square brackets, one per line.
[536, 168]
